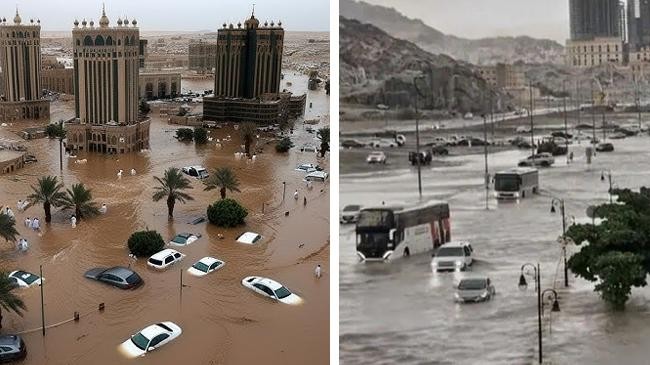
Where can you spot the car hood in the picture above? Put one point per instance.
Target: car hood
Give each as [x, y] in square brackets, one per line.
[129, 349]
[291, 299]
[94, 273]
[195, 272]
[470, 294]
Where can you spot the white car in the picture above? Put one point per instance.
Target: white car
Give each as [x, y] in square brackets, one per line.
[317, 176]
[205, 266]
[198, 172]
[24, 279]
[307, 167]
[453, 256]
[271, 288]
[309, 148]
[376, 157]
[544, 159]
[380, 143]
[249, 238]
[350, 213]
[150, 339]
[184, 239]
[165, 258]
[522, 129]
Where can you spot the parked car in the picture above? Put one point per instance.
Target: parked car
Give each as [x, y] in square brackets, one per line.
[617, 135]
[24, 279]
[150, 338]
[352, 143]
[197, 220]
[184, 239]
[316, 176]
[522, 129]
[544, 159]
[249, 238]
[117, 276]
[308, 167]
[453, 256]
[439, 150]
[165, 258]
[205, 266]
[605, 147]
[350, 213]
[474, 289]
[376, 157]
[198, 172]
[12, 348]
[381, 143]
[271, 289]
[552, 147]
[558, 134]
[422, 158]
[308, 148]
[30, 159]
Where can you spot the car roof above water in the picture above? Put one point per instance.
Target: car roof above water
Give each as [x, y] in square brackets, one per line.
[164, 253]
[119, 271]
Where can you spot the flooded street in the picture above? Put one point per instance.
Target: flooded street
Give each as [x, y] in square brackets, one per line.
[222, 322]
[403, 313]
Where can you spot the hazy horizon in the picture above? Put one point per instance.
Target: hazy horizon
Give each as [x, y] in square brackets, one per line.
[489, 18]
[152, 16]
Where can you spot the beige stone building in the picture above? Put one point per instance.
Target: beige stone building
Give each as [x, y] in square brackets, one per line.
[594, 52]
[57, 78]
[503, 76]
[106, 69]
[159, 85]
[20, 59]
[202, 56]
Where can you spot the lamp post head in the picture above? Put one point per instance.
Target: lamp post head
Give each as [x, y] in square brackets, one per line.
[552, 208]
[602, 176]
[522, 282]
[556, 306]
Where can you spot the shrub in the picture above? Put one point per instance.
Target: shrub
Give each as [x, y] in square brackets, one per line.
[200, 135]
[185, 134]
[284, 145]
[226, 213]
[145, 243]
[144, 107]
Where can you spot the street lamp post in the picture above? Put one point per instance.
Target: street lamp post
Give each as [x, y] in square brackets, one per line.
[42, 301]
[560, 204]
[609, 177]
[485, 153]
[417, 133]
[566, 128]
[532, 123]
[556, 305]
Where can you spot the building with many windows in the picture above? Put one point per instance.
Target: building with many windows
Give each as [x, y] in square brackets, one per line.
[594, 52]
[106, 68]
[20, 59]
[202, 56]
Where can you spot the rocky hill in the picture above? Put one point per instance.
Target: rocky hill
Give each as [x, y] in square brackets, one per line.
[480, 51]
[376, 68]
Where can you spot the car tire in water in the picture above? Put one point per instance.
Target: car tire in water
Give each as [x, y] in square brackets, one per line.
[407, 253]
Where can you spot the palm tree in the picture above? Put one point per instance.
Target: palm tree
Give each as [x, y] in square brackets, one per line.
[8, 300]
[224, 179]
[171, 186]
[247, 132]
[7, 227]
[81, 200]
[47, 192]
[324, 135]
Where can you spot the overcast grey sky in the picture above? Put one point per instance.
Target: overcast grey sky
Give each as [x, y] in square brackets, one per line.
[485, 18]
[162, 15]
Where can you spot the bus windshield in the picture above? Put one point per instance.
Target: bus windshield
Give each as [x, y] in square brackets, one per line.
[506, 183]
[375, 218]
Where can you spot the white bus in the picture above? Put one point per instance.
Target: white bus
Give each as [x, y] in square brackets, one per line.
[388, 232]
[516, 183]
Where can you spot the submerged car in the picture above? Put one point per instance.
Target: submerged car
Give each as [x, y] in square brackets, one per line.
[150, 339]
[317, 176]
[605, 147]
[198, 172]
[308, 167]
[117, 276]
[164, 258]
[350, 213]
[271, 289]
[24, 279]
[352, 143]
[184, 239]
[453, 256]
[476, 289]
[376, 157]
[12, 347]
[544, 159]
[249, 238]
[205, 266]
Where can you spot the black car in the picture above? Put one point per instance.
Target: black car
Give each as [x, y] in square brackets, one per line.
[439, 150]
[424, 158]
[117, 276]
[352, 143]
[605, 147]
[12, 347]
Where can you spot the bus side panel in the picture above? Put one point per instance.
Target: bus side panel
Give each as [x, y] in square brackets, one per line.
[446, 223]
[417, 238]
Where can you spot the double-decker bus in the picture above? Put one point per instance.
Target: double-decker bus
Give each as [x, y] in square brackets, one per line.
[516, 183]
[388, 232]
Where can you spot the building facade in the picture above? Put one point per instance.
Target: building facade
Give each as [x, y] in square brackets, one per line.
[503, 76]
[594, 52]
[106, 68]
[202, 56]
[595, 19]
[159, 85]
[273, 108]
[20, 59]
[59, 79]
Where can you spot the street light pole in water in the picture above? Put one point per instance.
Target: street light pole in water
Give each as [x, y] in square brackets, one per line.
[417, 135]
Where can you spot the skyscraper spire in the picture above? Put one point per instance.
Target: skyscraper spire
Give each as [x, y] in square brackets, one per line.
[253, 12]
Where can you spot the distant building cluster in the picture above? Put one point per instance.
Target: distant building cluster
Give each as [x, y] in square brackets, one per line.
[202, 56]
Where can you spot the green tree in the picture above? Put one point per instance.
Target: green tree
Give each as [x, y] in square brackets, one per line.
[81, 200]
[145, 243]
[200, 135]
[55, 130]
[7, 227]
[144, 107]
[615, 254]
[185, 134]
[8, 300]
[47, 192]
[284, 145]
[324, 135]
[171, 186]
[247, 131]
[224, 179]
[226, 213]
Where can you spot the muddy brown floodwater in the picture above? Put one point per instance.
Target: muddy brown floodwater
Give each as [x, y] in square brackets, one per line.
[222, 322]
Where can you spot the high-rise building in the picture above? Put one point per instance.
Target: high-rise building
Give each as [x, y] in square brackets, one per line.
[632, 29]
[595, 19]
[106, 67]
[249, 59]
[20, 59]
[202, 56]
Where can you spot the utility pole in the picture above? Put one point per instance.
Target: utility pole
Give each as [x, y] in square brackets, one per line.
[532, 131]
[42, 301]
[578, 103]
[487, 174]
[417, 135]
[566, 128]
[593, 114]
[637, 98]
